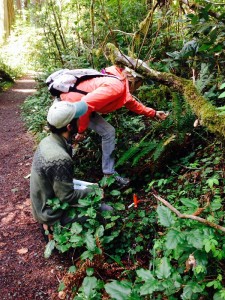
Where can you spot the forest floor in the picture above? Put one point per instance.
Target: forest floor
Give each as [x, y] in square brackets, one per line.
[25, 273]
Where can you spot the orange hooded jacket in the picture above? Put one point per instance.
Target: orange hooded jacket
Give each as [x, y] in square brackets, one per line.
[105, 95]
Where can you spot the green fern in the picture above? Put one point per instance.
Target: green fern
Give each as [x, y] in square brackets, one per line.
[146, 149]
[204, 77]
[132, 151]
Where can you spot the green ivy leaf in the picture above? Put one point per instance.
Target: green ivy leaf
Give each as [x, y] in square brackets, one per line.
[115, 193]
[144, 274]
[190, 289]
[193, 203]
[76, 239]
[149, 287]
[219, 295]
[165, 217]
[222, 86]
[119, 206]
[99, 231]
[91, 212]
[90, 241]
[173, 238]
[89, 284]
[118, 290]
[222, 95]
[76, 228]
[212, 181]
[164, 269]
[194, 238]
[87, 254]
[72, 269]
[49, 248]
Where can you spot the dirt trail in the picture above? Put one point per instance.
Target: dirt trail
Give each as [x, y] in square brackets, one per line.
[24, 273]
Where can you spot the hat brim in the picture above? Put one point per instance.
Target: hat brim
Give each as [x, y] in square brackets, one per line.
[81, 108]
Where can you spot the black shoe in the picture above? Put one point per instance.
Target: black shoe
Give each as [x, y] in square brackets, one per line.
[121, 181]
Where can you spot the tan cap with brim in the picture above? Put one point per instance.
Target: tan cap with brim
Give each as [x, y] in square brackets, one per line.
[62, 113]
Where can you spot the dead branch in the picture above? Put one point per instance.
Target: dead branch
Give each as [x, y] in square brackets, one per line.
[206, 112]
[185, 216]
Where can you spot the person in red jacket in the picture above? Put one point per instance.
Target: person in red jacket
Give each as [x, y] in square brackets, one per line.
[105, 95]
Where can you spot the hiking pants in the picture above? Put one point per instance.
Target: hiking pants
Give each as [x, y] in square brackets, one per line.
[107, 133]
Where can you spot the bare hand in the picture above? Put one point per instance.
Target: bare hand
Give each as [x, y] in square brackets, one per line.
[161, 115]
[80, 137]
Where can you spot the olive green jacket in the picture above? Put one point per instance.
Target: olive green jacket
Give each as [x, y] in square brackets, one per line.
[52, 177]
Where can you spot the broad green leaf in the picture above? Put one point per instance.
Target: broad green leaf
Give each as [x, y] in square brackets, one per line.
[144, 274]
[99, 231]
[119, 290]
[173, 238]
[72, 269]
[216, 205]
[85, 202]
[76, 239]
[222, 95]
[49, 248]
[149, 287]
[194, 239]
[115, 193]
[89, 284]
[190, 289]
[119, 206]
[193, 203]
[222, 86]
[61, 286]
[91, 212]
[90, 241]
[76, 228]
[63, 248]
[65, 205]
[164, 269]
[165, 217]
[89, 271]
[87, 254]
[212, 181]
[219, 295]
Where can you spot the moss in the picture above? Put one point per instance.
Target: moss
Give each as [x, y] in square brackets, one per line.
[204, 110]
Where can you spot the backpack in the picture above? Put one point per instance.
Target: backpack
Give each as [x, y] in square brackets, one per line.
[65, 80]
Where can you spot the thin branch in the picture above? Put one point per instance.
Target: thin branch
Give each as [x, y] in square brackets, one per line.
[185, 216]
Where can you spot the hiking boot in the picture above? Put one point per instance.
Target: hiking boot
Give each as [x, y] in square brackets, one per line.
[121, 181]
[116, 179]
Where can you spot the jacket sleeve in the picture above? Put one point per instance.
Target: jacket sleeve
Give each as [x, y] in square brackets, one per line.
[66, 192]
[61, 175]
[138, 107]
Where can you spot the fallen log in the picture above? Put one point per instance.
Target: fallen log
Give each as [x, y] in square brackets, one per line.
[207, 113]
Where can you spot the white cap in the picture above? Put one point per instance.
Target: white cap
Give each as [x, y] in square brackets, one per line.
[62, 113]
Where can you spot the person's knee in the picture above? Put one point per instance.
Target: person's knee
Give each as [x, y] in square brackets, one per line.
[110, 133]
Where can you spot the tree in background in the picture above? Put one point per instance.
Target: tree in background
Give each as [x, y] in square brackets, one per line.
[7, 17]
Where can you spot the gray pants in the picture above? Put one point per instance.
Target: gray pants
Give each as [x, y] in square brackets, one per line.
[107, 133]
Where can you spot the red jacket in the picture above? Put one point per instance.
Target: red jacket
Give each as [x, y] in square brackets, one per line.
[105, 95]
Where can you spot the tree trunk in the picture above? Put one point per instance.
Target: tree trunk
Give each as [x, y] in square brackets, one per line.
[204, 110]
[6, 18]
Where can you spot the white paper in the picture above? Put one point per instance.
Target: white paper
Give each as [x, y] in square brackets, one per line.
[81, 185]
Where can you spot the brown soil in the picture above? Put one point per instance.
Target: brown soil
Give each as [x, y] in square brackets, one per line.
[25, 273]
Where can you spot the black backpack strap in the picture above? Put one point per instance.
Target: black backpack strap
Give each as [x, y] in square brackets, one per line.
[74, 89]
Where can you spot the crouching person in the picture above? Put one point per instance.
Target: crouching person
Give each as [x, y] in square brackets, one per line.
[52, 168]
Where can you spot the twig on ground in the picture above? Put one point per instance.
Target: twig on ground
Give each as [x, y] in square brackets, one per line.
[185, 216]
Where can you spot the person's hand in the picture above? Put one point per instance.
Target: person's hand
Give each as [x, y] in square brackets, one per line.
[80, 137]
[161, 115]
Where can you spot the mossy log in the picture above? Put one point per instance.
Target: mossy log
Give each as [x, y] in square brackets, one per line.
[204, 110]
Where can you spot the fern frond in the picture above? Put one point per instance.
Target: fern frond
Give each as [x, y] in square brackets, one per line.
[128, 155]
[144, 151]
[132, 151]
[204, 77]
[158, 151]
